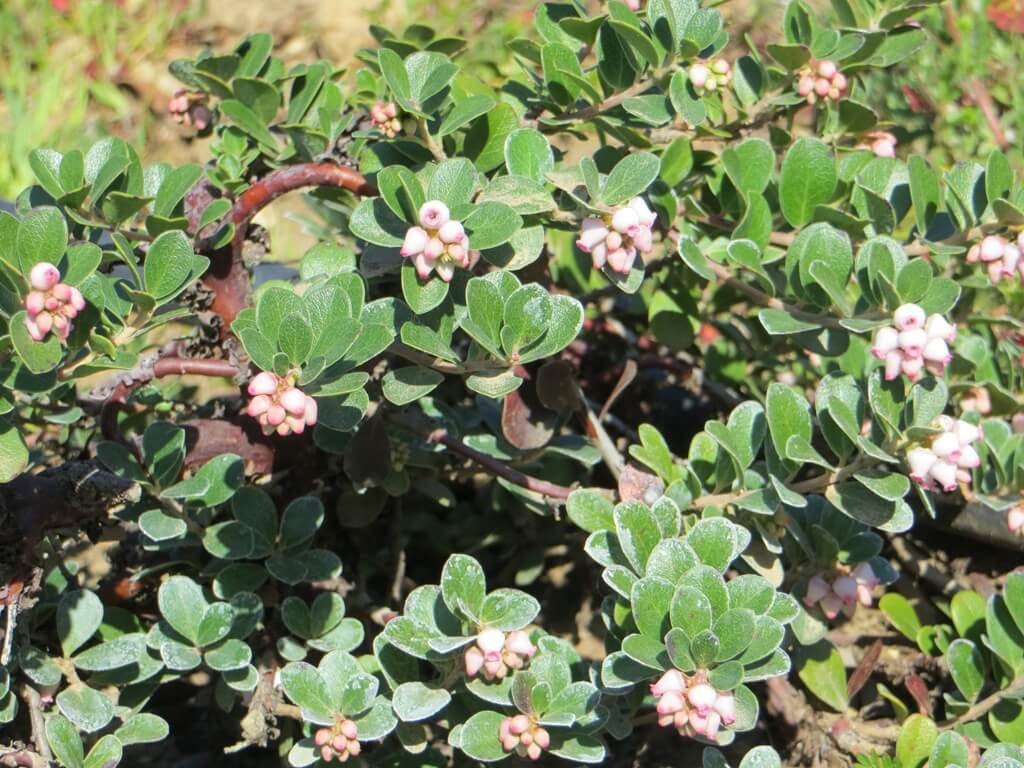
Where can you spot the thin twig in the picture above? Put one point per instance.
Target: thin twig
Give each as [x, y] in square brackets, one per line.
[1013, 690]
[35, 715]
[436, 434]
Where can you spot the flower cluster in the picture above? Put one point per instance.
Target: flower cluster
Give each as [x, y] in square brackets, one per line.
[948, 458]
[841, 590]
[691, 705]
[494, 653]
[51, 305]
[341, 741]
[710, 76]
[385, 118]
[881, 143]
[521, 734]
[822, 81]
[1001, 257]
[279, 405]
[616, 239]
[916, 342]
[439, 242]
[189, 108]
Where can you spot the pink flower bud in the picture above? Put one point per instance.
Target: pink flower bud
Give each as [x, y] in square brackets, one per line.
[321, 737]
[698, 75]
[340, 743]
[326, 753]
[424, 265]
[817, 588]
[625, 221]
[992, 248]
[938, 327]
[533, 752]
[43, 276]
[349, 729]
[310, 413]
[491, 641]
[592, 233]
[893, 365]
[827, 69]
[822, 87]
[613, 241]
[725, 706]
[44, 322]
[886, 340]
[599, 255]
[969, 458]
[973, 253]
[644, 214]
[721, 67]
[864, 595]
[713, 724]
[921, 461]
[35, 302]
[354, 748]
[294, 401]
[806, 85]
[672, 680]
[258, 405]
[839, 82]
[1015, 519]
[451, 232]
[520, 724]
[946, 446]
[944, 473]
[264, 383]
[670, 703]
[433, 214]
[865, 574]
[912, 342]
[908, 317]
[519, 642]
[433, 249]
[621, 260]
[643, 240]
[702, 696]
[542, 738]
[845, 588]
[474, 659]
[416, 239]
[830, 606]
[51, 304]
[912, 367]
[937, 351]
[276, 415]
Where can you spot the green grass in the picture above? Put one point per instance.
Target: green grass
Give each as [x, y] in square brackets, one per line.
[65, 77]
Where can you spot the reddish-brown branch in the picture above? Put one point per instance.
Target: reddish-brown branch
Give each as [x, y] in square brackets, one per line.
[185, 366]
[499, 468]
[227, 276]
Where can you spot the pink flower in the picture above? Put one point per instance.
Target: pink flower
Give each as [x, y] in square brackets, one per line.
[917, 341]
[51, 305]
[908, 317]
[522, 735]
[433, 214]
[1015, 518]
[44, 276]
[339, 742]
[699, 75]
[948, 457]
[821, 81]
[279, 406]
[617, 239]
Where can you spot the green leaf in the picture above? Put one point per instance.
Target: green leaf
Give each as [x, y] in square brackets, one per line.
[591, 510]
[214, 483]
[508, 610]
[375, 222]
[79, 615]
[914, 744]
[306, 687]
[788, 414]
[13, 451]
[119, 652]
[479, 737]
[250, 123]
[42, 236]
[630, 177]
[807, 180]
[526, 316]
[949, 751]
[820, 668]
[415, 701]
[86, 707]
[465, 111]
[168, 265]
[463, 586]
[38, 356]
[182, 605]
[143, 728]
[406, 385]
[491, 224]
[750, 165]
[967, 667]
[105, 753]
[901, 614]
[453, 182]
[402, 191]
[422, 296]
[174, 187]
[163, 451]
[528, 154]
[65, 742]
[295, 337]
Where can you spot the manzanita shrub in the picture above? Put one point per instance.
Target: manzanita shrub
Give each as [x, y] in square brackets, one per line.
[423, 500]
